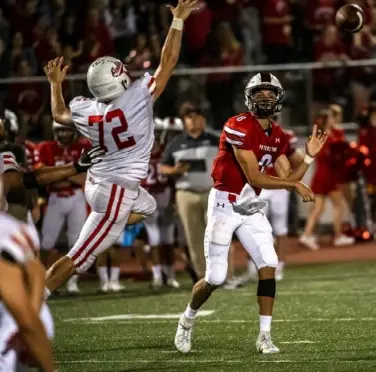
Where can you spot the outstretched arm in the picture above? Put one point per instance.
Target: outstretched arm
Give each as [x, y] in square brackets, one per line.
[172, 45]
[47, 175]
[56, 73]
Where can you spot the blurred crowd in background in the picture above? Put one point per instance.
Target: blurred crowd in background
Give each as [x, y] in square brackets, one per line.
[221, 33]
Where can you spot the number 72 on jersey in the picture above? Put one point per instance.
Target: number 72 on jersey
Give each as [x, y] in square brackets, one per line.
[115, 132]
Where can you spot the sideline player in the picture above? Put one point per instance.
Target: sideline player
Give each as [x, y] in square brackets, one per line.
[24, 336]
[66, 201]
[120, 120]
[249, 143]
[160, 227]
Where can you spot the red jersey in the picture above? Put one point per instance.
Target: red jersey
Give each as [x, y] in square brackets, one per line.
[246, 133]
[52, 153]
[30, 148]
[155, 182]
[290, 149]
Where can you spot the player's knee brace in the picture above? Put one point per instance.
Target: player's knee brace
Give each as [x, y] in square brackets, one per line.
[266, 288]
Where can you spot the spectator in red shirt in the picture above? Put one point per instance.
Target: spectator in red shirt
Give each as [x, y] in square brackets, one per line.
[97, 40]
[318, 15]
[276, 30]
[196, 31]
[327, 48]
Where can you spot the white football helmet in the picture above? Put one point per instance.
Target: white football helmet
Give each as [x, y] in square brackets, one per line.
[107, 78]
[264, 107]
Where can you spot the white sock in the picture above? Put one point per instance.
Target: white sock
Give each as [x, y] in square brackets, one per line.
[251, 267]
[157, 272]
[47, 293]
[115, 274]
[169, 271]
[73, 279]
[190, 313]
[103, 274]
[265, 323]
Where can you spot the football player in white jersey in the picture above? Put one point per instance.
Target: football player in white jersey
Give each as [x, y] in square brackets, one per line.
[120, 119]
[24, 336]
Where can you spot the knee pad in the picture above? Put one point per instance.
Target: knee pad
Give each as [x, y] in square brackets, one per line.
[266, 257]
[266, 288]
[218, 236]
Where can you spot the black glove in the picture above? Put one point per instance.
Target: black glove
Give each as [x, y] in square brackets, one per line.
[89, 158]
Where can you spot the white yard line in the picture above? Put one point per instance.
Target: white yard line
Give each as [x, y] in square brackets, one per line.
[166, 321]
[298, 342]
[189, 361]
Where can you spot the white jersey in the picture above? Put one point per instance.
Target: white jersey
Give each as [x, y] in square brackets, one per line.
[124, 128]
[19, 240]
[7, 162]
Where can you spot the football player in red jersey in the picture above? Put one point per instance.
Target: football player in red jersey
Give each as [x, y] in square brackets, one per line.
[249, 143]
[66, 198]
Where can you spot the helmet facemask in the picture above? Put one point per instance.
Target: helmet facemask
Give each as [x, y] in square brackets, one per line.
[264, 100]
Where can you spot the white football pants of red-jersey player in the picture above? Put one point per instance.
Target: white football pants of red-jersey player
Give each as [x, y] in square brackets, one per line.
[253, 231]
[160, 226]
[111, 205]
[277, 209]
[64, 206]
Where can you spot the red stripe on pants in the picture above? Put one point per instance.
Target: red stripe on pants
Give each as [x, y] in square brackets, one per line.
[109, 227]
[100, 225]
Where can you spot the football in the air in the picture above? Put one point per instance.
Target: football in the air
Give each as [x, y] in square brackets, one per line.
[350, 18]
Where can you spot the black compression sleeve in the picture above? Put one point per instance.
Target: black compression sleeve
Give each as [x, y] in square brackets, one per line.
[30, 181]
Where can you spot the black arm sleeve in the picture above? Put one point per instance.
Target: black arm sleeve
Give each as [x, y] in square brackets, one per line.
[30, 181]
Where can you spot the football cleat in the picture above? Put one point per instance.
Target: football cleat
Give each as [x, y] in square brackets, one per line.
[264, 344]
[157, 283]
[104, 287]
[184, 334]
[173, 283]
[72, 286]
[115, 287]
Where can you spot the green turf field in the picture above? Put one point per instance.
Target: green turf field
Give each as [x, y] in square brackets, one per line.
[325, 320]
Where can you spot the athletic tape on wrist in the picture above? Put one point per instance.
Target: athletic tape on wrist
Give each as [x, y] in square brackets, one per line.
[308, 159]
[178, 24]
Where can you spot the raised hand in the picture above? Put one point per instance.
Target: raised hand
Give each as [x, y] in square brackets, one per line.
[55, 71]
[183, 9]
[315, 142]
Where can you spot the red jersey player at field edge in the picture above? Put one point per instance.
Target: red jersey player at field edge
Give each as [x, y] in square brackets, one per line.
[66, 202]
[249, 143]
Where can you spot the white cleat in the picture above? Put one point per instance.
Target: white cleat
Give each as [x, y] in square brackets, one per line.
[72, 288]
[309, 242]
[115, 287]
[264, 344]
[343, 240]
[173, 283]
[157, 283]
[104, 287]
[279, 271]
[184, 334]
